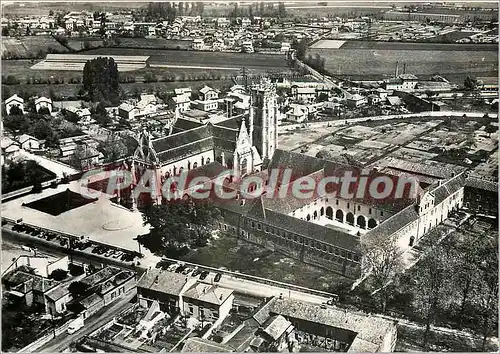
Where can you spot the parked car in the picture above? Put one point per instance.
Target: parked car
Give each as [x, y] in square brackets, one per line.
[217, 277]
[204, 274]
[117, 254]
[109, 253]
[173, 267]
[187, 271]
[180, 269]
[195, 272]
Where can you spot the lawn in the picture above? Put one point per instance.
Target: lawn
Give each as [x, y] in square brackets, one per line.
[241, 256]
[158, 43]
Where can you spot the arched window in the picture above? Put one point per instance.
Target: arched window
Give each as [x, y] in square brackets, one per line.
[339, 215]
[361, 222]
[308, 217]
[350, 218]
[189, 165]
[208, 160]
[372, 223]
[412, 240]
[243, 167]
[329, 212]
[322, 211]
[202, 160]
[315, 215]
[195, 165]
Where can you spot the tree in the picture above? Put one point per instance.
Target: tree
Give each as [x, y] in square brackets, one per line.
[470, 83]
[100, 80]
[75, 270]
[301, 48]
[382, 258]
[177, 225]
[490, 129]
[281, 10]
[112, 149]
[15, 111]
[431, 285]
[58, 274]
[78, 289]
[429, 93]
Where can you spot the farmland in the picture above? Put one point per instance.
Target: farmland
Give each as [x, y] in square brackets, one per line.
[30, 46]
[377, 60]
[261, 62]
[155, 43]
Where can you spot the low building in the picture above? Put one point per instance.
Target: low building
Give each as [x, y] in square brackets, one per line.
[247, 47]
[43, 102]
[29, 143]
[207, 93]
[297, 113]
[198, 44]
[356, 100]
[303, 94]
[404, 82]
[481, 195]
[207, 303]
[207, 106]
[127, 111]
[182, 102]
[14, 101]
[10, 149]
[178, 293]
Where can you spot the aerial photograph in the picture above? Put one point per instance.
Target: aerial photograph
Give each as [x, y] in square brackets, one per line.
[247, 176]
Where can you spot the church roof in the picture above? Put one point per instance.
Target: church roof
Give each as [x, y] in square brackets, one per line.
[180, 139]
[182, 124]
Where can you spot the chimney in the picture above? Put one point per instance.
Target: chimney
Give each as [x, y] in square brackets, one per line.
[397, 68]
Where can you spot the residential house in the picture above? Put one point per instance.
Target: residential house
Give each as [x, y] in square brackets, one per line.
[164, 287]
[245, 22]
[373, 99]
[303, 94]
[183, 91]
[297, 113]
[28, 142]
[26, 287]
[218, 45]
[14, 101]
[331, 107]
[356, 100]
[276, 331]
[182, 102]
[127, 111]
[10, 149]
[382, 93]
[57, 298]
[106, 286]
[223, 22]
[207, 303]
[208, 93]
[198, 44]
[207, 106]
[43, 102]
[285, 47]
[247, 46]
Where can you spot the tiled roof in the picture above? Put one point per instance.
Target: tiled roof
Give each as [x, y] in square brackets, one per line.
[200, 345]
[475, 182]
[186, 150]
[276, 326]
[100, 276]
[181, 139]
[182, 124]
[57, 292]
[367, 328]
[448, 188]
[208, 293]
[395, 222]
[18, 278]
[91, 300]
[164, 282]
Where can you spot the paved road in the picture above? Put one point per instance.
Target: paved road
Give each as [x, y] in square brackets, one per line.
[63, 341]
[57, 167]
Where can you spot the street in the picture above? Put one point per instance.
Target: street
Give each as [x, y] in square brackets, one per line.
[62, 342]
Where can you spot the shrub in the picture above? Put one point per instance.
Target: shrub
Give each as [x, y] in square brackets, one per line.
[75, 270]
[58, 274]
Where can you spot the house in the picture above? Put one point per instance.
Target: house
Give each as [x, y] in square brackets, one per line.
[218, 45]
[127, 111]
[285, 47]
[43, 102]
[182, 102]
[223, 22]
[303, 94]
[245, 22]
[356, 100]
[198, 44]
[14, 101]
[331, 107]
[178, 293]
[106, 286]
[207, 302]
[208, 93]
[298, 113]
[207, 106]
[10, 149]
[382, 93]
[247, 46]
[164, 287]
[276, 331]
[30, 289]
[183, 91]
[57, 298]
[373, 99]
[28, 142]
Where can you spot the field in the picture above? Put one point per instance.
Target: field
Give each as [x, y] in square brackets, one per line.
[261, 62]
[29, 46]
[373, 62]
[156, 43]
[78, 43]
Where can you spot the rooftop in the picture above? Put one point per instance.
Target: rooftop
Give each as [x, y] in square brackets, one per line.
[165, 282]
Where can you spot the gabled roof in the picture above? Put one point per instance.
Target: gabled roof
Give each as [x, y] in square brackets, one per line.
[183, 124]
[25, 137]
[276, 326]
[163, 282]
[475, 182]
[181, 139]
[43, 99]
[207, 293]
[14, 98]
[205, 89]
[126, 107]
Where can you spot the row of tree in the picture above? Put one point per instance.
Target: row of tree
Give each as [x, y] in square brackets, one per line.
[260, 9]
[168, 11]
[455, 282]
